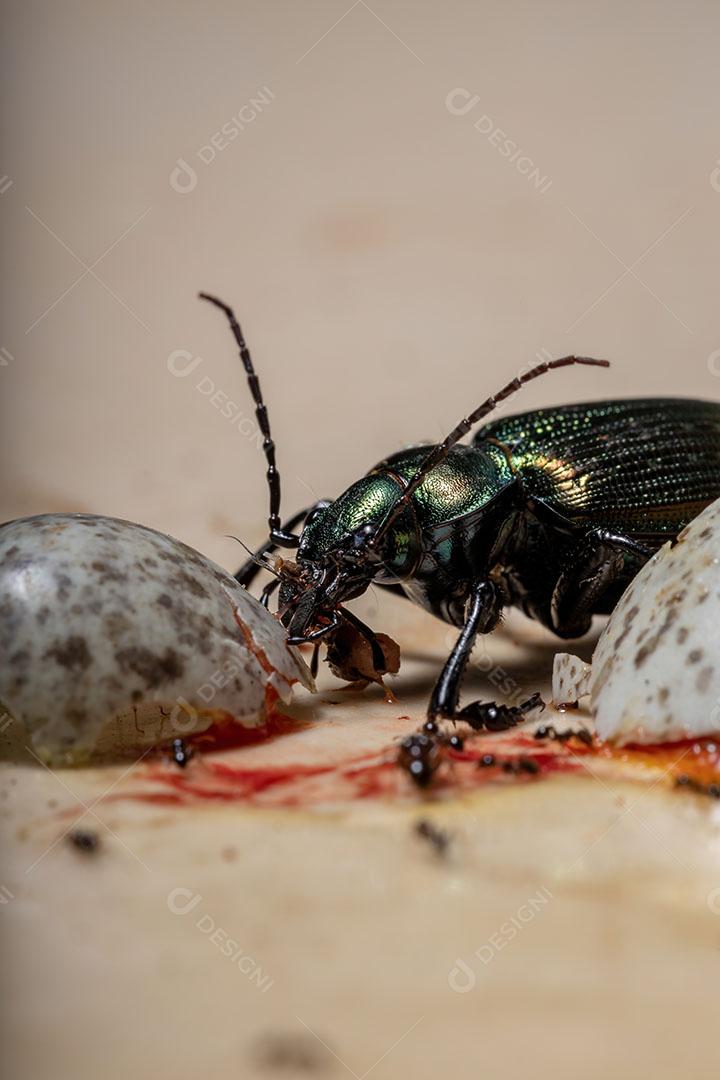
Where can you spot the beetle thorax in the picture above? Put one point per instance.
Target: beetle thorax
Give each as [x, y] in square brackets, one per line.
[346, 529]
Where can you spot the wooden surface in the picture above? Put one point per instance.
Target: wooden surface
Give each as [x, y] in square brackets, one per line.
[571, 928]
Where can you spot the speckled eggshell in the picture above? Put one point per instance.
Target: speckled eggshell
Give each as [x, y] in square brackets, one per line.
[570, 678]
[113, 635]
[656, 668]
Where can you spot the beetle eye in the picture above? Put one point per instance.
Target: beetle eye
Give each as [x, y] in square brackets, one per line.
[317, 509]
[362, 536]
[354, 550]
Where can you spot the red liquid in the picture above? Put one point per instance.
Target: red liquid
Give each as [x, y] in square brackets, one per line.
[213, 776]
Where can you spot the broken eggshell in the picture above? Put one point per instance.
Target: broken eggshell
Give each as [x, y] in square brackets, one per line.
[656, 668]
[570, 679]
[115, 636]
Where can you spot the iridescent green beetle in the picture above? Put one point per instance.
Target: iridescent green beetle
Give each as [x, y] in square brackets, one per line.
[553, 511]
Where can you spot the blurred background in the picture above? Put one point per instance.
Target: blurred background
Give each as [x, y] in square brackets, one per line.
[406, 203]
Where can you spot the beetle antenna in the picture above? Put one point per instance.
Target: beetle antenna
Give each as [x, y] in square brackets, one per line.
[277, 535]
[438, 453]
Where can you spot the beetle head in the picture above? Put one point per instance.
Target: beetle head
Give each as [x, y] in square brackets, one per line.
[339, 555]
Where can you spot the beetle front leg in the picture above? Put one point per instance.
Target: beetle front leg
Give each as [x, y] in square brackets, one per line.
[483, 615]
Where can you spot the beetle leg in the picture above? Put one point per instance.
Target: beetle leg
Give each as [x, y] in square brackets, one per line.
[483, 614]
[251, 568]
[598, 563]
[493, 717]
[268, 591]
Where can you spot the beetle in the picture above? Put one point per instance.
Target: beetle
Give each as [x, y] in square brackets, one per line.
[552, 511]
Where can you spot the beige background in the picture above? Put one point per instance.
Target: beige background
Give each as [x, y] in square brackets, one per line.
[390, 266]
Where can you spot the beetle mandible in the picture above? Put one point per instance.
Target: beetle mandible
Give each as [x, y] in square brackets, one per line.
[552, 511]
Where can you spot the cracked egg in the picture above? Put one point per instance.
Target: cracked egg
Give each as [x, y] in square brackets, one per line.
[655, 673]
[116, 637]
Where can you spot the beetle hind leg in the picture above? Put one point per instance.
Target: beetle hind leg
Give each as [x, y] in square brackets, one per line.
[598, 565]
